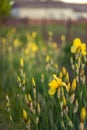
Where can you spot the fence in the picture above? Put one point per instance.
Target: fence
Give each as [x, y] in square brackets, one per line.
[68, 24]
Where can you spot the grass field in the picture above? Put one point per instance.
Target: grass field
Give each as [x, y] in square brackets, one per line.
[42, 80]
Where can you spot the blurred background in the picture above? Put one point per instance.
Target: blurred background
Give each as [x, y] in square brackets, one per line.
[61, 17]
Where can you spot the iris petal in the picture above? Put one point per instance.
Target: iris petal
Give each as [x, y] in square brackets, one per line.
[53, 84]
[52, 91]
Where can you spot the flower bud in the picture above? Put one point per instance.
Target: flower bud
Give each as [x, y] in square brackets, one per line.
[64, 102]
[61, 75]
[75, 106]
[25, 116]
[29, 98]
[73, 86]
[67, 77]
[83, 114]
[38, 108]
[68, 86]
[33, 82]
[72, 98]
[21, 62]
[64, 71]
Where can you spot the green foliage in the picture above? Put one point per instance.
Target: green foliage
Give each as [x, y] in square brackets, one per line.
[5, 7]
[41, 59]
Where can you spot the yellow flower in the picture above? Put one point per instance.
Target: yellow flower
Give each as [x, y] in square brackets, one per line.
[56, 66]
[67, 77]
[26, 50]
[16, 42]
[64, 71]
[29, 98]
[21, 62]
[55, 84]
[34, 34]
[68, 86]
[33, 82]
[63, 38]
[3, 40]
[33, 47]
[24, 82]
[73, 87]
[78, 46]
[83, 49]
[83, 114]
[18, 78]
[54, 45]
[47, 58]
[25, 116]
[50, 33]
[61, 75]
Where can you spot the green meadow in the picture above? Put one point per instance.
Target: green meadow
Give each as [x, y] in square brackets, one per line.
[43, 74]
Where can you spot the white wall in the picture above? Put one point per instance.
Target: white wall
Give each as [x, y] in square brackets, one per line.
[81, 15]
[48, 13]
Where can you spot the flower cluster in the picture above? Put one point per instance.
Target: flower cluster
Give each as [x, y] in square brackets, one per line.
[78, 47]
[68, 91]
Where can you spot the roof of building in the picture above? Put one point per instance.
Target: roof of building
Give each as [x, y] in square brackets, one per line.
[49, 4]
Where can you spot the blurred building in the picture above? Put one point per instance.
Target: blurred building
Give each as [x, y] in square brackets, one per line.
[48, 9]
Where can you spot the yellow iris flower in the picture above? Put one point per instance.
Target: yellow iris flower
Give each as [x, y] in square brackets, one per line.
[55, 84]
[78, 46]
[83, 49]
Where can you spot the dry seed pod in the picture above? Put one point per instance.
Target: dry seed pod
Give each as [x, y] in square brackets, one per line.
[72, 98]
[81, 126]
[75, 106]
